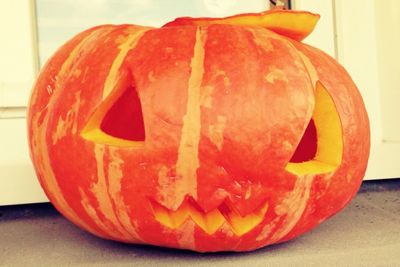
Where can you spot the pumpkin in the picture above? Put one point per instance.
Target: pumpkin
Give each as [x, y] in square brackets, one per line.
[205, 134]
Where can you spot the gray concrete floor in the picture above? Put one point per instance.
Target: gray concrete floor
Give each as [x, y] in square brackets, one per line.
[366, 233]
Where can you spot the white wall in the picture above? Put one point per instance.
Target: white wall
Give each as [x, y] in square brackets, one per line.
[387, 27]
[18, 64]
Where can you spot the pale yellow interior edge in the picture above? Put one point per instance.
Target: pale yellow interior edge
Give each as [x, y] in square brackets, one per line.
[92, 130]
[329, 137]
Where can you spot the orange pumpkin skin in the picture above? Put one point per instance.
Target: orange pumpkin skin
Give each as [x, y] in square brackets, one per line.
[224, 109]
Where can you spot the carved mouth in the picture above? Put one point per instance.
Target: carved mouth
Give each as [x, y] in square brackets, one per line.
[210, 221]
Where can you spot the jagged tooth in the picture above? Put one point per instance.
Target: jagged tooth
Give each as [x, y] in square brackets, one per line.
[214, 220]
[211, 221]
[162, 215]
[263, 209]
[242, 225]
[179, 216]
[199, 218]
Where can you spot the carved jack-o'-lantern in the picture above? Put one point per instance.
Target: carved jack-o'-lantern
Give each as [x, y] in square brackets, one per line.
[205, 134]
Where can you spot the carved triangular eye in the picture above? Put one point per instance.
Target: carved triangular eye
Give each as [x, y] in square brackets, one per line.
[307, 148]
[125, 119]
[118, 120]
[320, 148]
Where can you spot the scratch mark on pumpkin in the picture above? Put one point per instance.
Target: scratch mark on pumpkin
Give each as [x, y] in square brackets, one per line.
[267, 229]
[275, 74]
[127, 44]
[206, 96]
[188, 158]
[216, 132]
[49, 89]
[186, 238]
[169, 188]
[70, 122]
[287, 146]
[348, 178]
[227, 81]
[76, 73]
[84, 75]
[227, 229]
[151, 77]
[39, 141]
